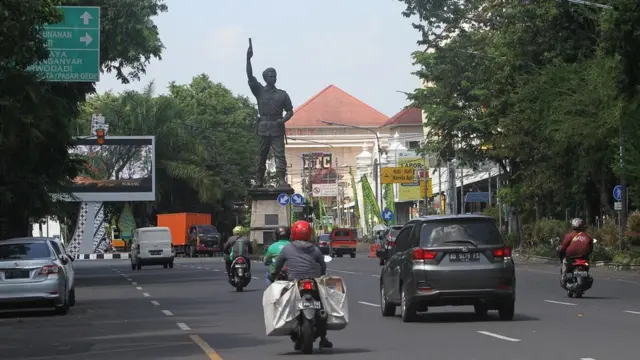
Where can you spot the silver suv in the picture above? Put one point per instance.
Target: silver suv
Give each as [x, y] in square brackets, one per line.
[448, 260]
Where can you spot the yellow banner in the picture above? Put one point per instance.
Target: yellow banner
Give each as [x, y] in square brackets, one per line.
[398, 175]
[429, 188]
[410, 191]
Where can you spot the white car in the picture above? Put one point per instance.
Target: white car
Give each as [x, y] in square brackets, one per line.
[67, 267]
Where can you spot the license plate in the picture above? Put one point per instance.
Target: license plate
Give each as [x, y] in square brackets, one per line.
[155, 252]
[16, 274]
[310, 304]
[582, 273]
[240, 272]
[241, 265]
[464, 257]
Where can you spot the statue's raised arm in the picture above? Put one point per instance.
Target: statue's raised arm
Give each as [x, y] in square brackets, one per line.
[249, 56]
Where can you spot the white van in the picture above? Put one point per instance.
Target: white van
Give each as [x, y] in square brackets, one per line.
[151, 246]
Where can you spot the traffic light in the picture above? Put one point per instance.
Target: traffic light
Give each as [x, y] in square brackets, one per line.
[100, 136]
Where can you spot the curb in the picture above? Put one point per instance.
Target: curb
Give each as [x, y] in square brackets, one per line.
[107, 256]
[523, 259]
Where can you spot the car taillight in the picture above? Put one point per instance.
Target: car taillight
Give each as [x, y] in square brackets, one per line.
[323, 243]
[240, 260]
[422, 255]
[49, 269]
[306, 285]
[391, 243]
[503, 252]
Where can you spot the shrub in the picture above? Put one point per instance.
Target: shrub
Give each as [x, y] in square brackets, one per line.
[545, 230]
[633, 227]
[607, 235]
[491, 211]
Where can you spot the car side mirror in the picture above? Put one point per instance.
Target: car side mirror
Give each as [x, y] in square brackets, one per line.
[70, 257]
[64, 260]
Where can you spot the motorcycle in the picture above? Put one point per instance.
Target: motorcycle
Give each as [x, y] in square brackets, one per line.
[312, 317]
[240, 277]
[578, 280]
[283, 275]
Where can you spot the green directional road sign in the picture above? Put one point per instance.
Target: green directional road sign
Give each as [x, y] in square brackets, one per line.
[74, 46]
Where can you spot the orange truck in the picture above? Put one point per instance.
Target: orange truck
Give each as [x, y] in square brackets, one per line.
[192, 233]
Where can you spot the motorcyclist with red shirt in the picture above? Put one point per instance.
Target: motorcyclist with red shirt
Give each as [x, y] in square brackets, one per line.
[577, 244]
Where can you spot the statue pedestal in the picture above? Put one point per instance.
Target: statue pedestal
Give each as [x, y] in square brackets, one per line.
[267, 214]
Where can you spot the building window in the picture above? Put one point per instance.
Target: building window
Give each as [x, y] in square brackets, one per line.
[412, 145]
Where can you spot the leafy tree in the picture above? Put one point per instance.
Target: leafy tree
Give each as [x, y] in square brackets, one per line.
[36, 116]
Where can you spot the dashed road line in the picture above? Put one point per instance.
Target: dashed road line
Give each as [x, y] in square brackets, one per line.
[155, 303]
[255, 278]
[342, 271]
[368, 303]
[134, 283]
[587, 359]
[560, 303]
[145, 294]
[138, 287]
[167, 312]
[376, 276]
[208, 350]
[498, 336]
[632, 312]
[216, 270]
[183, 326]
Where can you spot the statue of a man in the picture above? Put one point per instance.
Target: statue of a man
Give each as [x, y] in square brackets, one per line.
[272, 102]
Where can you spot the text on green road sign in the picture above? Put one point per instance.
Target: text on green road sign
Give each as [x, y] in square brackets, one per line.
[74, 46]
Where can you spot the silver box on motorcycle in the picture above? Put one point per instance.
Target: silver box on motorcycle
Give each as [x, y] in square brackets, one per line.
[280, 305]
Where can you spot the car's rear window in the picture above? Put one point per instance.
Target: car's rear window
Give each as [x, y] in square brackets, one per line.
[342, 233]
[27, 251]
[478, 231]
[394, 232]
[324, 237]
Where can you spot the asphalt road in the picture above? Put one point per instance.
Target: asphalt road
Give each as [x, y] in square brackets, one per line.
[188, 311]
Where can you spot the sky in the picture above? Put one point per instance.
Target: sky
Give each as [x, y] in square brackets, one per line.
[361, 46]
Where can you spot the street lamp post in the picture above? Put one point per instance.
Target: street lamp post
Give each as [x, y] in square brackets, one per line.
[337, 176]
[378, 182]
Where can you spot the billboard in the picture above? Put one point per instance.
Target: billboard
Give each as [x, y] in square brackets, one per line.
[410, 191]
[122, 169]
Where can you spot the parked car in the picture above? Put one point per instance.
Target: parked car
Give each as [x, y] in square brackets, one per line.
[32, 274]
[448, 260]
[343, 241]
[324, 243]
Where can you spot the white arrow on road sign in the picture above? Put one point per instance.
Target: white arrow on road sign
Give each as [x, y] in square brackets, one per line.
[86, 17]
[283, 199]
[86, 39]
[297, 199]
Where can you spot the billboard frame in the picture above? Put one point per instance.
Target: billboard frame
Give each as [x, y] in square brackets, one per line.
[114, 196]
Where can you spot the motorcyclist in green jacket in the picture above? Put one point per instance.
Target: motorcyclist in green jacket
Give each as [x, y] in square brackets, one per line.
[283, 237]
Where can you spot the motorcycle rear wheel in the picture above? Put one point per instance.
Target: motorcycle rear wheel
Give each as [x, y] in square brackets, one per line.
[306, 333]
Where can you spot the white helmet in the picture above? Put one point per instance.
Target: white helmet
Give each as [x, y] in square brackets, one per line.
[577, 224]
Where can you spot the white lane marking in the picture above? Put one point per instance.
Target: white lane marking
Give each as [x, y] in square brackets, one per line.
[155, 303]
[367, 303]
[342, 271]
[376, 276]
[255, 278]
[199, 267]
[629, 281]
[498, 336]
[134, 283]
[587, 359]
[167, 312]
[183, 326]
[216, 270]
[632, 312]
[560, 303]
[138, 288]
[145, 294]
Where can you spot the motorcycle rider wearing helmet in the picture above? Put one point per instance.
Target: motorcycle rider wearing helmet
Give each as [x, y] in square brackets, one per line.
[576, 244]
[237, 245]
[283, 234]
[305, 260]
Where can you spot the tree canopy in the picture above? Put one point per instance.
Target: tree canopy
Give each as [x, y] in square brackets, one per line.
[36, 117]
[540, 88]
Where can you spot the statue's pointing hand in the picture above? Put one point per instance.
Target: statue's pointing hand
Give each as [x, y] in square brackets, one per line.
[250, 50]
